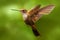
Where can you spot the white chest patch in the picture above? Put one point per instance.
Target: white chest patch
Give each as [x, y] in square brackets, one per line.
[24, 16]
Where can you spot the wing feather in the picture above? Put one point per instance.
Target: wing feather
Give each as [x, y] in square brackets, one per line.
[33, 10]
[43, 11]
[46, 10]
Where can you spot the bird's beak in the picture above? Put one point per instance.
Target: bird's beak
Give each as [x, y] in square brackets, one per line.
[15, 10]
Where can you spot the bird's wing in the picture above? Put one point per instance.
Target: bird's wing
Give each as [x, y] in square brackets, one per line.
[43, 11]
[33, 10]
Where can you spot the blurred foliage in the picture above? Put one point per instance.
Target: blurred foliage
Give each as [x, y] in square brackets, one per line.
[12, 26]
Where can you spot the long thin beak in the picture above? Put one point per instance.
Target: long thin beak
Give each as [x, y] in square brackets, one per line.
[15, 10]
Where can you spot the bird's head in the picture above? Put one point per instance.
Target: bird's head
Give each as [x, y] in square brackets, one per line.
[23, 11]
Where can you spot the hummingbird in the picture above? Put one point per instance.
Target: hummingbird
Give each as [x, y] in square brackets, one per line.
[31, 16]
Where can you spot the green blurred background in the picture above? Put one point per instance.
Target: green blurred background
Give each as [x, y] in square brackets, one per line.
[12, 26]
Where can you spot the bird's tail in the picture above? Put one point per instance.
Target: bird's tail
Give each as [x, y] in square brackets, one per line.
[35, 31]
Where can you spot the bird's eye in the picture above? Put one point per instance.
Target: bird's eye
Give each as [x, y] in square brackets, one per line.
[24, 11]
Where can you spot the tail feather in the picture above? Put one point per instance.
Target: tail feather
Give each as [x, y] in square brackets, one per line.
[35, 31]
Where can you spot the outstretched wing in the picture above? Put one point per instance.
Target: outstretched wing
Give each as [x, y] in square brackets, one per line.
[33, 10]
[43, 11]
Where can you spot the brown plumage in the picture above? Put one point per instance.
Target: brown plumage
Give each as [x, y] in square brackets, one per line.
[33, 15]
[29, 21]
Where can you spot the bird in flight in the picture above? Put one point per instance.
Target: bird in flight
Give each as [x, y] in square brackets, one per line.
[33, 15]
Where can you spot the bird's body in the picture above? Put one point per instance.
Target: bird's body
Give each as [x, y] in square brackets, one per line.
[29, 21]
[33, 15]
